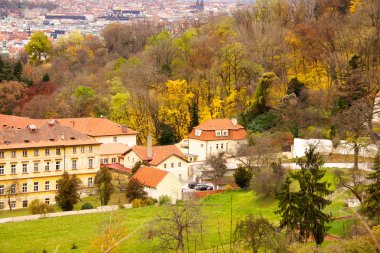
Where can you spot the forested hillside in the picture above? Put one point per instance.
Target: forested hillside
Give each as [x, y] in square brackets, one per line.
[292, 66]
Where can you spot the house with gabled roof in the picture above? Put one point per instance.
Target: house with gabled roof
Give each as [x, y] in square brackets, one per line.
[215, 136]
[158, 183]
[167, 158]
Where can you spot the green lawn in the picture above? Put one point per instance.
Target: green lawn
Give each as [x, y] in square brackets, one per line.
[62, 232]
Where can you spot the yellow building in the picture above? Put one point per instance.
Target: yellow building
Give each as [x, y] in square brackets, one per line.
[33, 159]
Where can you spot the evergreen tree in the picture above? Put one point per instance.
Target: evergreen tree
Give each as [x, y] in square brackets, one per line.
[135, 190]
[17, 71]
[103, 183]
[194, 110]
[167, 135]
[1, 69]
[68, 191]
[242, 177]
[46, 78]
[303, 209]
[136, 167]
[372, 202]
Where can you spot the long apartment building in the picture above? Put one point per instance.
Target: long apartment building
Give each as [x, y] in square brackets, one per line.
[33, 159]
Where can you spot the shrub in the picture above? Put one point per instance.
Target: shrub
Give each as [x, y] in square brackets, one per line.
[74, 246]
[164, 200]
[228, 187]
[136, 203]
[86, 206]
[135, 190]
[242, 177]
[37, 207]
[149, 201]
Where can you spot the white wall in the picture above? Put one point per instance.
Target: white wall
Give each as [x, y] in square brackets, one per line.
[129, 140]
[130, 159]
[180, 172]
[326, 147]
[197, 147]
[169, 186]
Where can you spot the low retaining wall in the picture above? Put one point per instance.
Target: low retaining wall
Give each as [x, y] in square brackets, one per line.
[99, 209]
[203, 194]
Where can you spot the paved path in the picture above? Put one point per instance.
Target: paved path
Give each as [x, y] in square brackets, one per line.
[100, 209]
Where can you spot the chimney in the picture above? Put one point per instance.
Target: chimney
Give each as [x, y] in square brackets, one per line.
[149, 148]
[124, 129]
[234, 121]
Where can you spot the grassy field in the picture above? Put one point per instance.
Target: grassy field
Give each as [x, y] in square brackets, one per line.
[63, 232]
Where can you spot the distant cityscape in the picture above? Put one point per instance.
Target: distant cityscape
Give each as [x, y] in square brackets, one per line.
[59, 17]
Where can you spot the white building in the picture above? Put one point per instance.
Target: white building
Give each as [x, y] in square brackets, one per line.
[168, 158]
[216, 136]
[159, 183]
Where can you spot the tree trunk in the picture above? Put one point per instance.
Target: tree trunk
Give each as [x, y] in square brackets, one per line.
[356, 156]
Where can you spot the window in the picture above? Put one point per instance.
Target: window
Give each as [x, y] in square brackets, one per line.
[13, 188]
[47, 166]
[180, 176]
[1, 205]
[57, 165]
[90, 163]
[47, 185]
[218, 133]
[179, 164]
[25, 153]
[24, 168]
[89, 182]
[90, 148]
[13, 168]
[13, 153]
[24, 203]
[105, 160]
[13, 204]
[115, 139]
[165, 165]
[35, 167]
[221, 145]
[35, 186]
[198, 132]
[36, 152]
[1, 154]
[47, 201]
[201, 145]
[58, 151]
[82, 149]
[1, 169]
[74, 164]
[114, 160]
[172, 165]
[24, 187]
[56, 185]
[133, 159]
[1, 189]
[225, 132]
[47, 151]
[217, 146]
[74, 150]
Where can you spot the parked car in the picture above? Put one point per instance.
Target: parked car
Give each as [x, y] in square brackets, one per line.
[203, 187]
[191, 185]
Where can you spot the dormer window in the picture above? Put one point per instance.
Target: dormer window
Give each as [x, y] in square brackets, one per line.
[218, 133]
[198, 132]
[225, 132]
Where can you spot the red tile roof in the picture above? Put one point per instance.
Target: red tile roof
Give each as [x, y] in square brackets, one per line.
[150, 177]
[160, 153]
[117, 166]
[235, 132]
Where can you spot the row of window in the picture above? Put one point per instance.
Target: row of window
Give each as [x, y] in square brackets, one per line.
[172, 165]
[105, 160]
[48, 165]
[36, 187]
[47, 151]
[24, 203]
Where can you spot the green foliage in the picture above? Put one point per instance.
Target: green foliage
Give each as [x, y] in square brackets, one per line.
[37, 207]
[103, 184]
[137, 203]
[74, 246]
[149, 201]
[167, 135]
[372, 202]
[302, 210]
[46, 78]
[38, 47]
[164, 200]
[242, 177]
[263, 122]
[17, 71]
[86, 206]
[68, 191]
[135, 190]
[136, 166]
